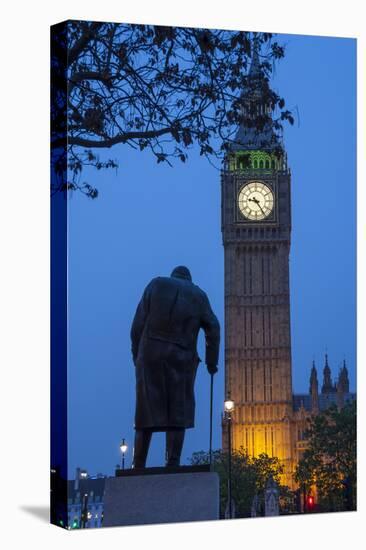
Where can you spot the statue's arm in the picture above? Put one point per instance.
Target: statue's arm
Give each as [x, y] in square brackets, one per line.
[139, 321]
[211, 327]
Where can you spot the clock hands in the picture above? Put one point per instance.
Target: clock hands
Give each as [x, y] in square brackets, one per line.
[257, 202]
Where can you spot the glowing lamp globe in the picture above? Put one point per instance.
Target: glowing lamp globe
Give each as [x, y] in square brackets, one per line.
[229, 405]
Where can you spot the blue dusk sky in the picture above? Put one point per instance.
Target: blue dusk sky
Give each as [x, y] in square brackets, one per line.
[150, 217]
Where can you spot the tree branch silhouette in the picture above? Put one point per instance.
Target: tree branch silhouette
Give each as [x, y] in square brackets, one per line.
[161, 88]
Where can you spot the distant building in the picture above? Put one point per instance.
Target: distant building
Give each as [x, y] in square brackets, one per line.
[312, 403]
[85, 500]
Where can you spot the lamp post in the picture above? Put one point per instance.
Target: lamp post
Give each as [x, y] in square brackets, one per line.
[123, 448]
[229, 407]
[84, 511]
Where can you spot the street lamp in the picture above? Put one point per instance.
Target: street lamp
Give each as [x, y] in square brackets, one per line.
[123, 448]
[84, 511]
[229, 407]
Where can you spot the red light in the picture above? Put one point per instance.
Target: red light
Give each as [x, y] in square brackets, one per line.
[310, 501]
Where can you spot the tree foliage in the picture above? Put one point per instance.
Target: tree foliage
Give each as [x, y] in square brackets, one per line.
[329, 462]
[249, 477]
[151, 87]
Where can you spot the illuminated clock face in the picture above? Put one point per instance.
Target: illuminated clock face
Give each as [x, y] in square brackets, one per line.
[255, 200]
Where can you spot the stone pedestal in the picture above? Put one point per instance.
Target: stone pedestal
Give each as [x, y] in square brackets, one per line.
[155, 496]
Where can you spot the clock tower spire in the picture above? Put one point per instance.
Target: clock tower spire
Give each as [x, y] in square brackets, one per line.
[256, 231]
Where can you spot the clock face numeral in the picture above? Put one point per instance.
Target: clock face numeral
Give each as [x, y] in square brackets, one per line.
[255, 200]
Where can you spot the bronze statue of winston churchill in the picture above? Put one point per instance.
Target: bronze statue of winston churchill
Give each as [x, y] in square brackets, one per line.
[164, 336]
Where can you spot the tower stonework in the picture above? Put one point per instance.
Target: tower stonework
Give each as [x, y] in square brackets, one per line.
[256, 231]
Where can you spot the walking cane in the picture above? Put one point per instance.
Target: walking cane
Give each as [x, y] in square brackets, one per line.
[211, 400]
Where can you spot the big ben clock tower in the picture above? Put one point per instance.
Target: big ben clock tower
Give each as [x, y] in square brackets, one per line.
[256, 230]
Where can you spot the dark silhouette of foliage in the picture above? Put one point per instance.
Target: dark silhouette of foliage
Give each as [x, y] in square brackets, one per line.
[329, 462]
[151, 87]
[249, 478]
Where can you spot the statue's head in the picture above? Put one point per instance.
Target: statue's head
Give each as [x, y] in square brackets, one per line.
[181, 272]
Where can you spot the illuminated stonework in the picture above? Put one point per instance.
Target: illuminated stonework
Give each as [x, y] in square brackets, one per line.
[254, 160]
[267, 417]
[257, 316]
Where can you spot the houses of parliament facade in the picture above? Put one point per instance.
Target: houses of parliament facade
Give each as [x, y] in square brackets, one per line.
[256, 230]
